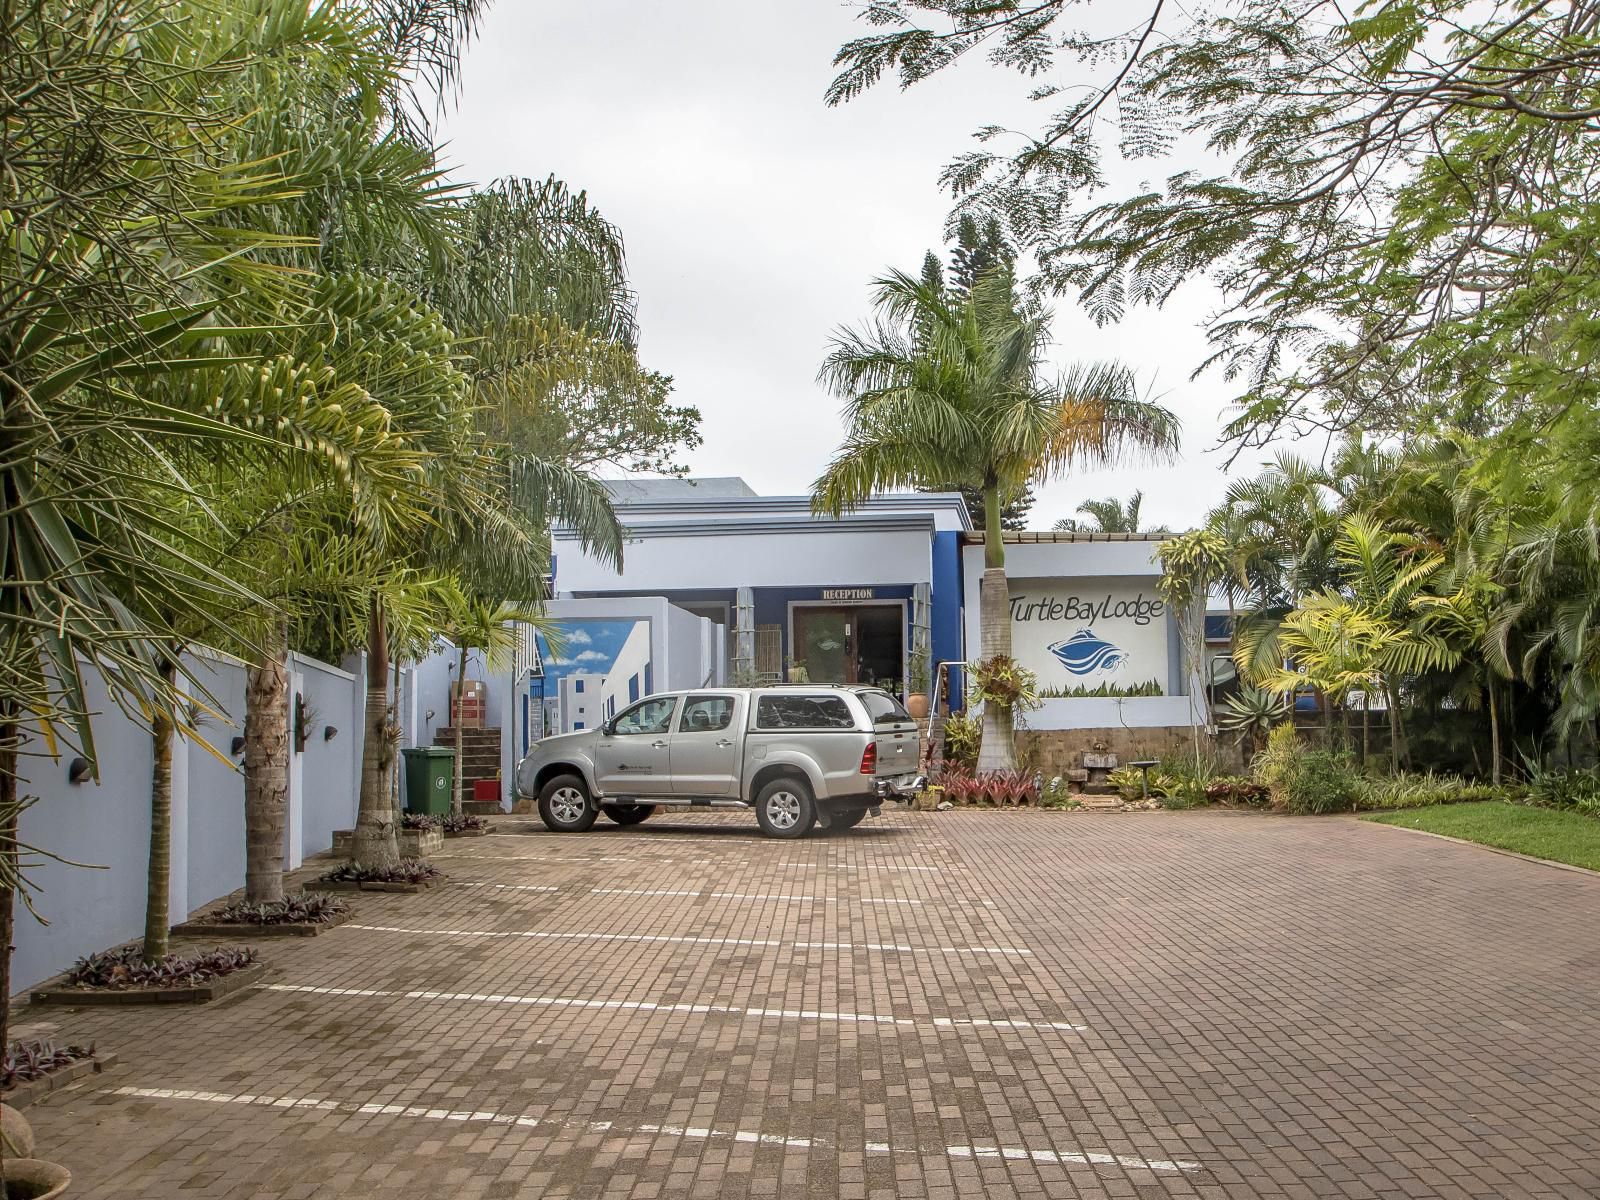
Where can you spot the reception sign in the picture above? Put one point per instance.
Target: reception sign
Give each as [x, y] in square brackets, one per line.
[1071, 631]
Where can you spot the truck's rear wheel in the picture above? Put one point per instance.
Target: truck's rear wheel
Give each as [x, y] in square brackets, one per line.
[565, 807]
[628, 814]
[785, 808]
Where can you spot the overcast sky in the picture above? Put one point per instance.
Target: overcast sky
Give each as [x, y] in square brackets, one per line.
[755, 217]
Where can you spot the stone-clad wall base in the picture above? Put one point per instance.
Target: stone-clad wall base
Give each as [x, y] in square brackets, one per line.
[1057, 751]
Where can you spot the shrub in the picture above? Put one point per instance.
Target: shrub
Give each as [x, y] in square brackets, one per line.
[407, 870]
[1422, 790]
[1177, 793]
[1574, 788]
[461, 822]
[1057, 793]
[1129, 782]
[1271, 767]
[999, 788]
[962, 733]
[1236, 789]
[312, 908]
[412, 820]
[1319, 781]
[125, 968]
[25, 1061]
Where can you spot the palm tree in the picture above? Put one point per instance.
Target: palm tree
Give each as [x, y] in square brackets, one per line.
[946, 387]
[492, 628]
[1109, 515]
[118, 235]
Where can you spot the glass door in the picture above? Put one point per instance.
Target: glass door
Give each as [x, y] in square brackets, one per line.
[823, 641]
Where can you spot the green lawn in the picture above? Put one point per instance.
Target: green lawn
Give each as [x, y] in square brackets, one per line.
[1563, 837]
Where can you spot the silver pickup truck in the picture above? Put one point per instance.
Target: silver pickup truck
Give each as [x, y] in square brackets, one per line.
[796, 755]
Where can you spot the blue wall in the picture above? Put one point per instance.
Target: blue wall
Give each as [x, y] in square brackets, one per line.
[945, 617]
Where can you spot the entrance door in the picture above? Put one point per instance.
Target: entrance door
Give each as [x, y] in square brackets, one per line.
[822, 640]
[632, 759]
[864, 644]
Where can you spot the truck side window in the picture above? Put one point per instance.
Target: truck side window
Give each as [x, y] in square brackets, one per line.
[803, 712]
[653, 716]
[706, 714]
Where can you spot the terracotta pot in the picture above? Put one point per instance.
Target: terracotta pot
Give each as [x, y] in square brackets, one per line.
[917, 705]
[33, 1179]
[15, 1133]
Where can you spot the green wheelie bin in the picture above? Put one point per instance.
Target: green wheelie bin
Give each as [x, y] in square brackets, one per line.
[430, 778]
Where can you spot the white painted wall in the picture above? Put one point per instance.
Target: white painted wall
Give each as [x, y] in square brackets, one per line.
[721, 560]
[107, 824]
[1079, 575]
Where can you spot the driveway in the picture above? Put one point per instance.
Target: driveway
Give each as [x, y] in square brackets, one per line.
[1004, 1004]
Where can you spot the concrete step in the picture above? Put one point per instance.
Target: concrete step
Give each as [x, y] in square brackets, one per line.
[1101, 803]
[481, 808]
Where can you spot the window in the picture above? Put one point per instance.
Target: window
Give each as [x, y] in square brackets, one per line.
[883, 708]
[705, 714]
[577, 686]
[633, 688]
[803, 712]
[653, 716]
[577, 725]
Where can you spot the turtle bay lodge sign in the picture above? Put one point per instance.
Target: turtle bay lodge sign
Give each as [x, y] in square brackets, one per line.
[1068, 635]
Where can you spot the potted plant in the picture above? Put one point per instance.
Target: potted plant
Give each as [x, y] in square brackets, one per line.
[917, 684]
[797, 672]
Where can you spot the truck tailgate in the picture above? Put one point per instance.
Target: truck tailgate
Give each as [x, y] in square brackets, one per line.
[899, 748]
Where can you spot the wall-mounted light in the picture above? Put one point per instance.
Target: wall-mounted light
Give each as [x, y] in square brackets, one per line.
[79, 771]
[237, 747]
[329, 733]
[428, 716]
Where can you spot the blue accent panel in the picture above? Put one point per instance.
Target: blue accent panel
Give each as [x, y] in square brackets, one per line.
[649, 675]
[633, 688]
[945, 613]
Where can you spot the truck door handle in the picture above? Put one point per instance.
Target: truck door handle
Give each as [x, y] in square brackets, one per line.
[658, 744]
[724, 742]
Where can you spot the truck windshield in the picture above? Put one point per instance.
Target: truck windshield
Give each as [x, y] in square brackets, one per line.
[883, 708]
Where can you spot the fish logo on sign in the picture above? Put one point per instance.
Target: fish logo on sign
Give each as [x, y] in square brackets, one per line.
[1083, 653]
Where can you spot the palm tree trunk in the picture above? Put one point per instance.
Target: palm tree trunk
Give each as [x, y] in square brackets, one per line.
[461, 687]
[266, 767]
[1494, 735]
[1396, 744]
[997, 751]
[158, 881]
[375, 843]
[10, 732]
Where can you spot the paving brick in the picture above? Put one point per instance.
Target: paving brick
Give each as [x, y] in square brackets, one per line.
[1295, 1007]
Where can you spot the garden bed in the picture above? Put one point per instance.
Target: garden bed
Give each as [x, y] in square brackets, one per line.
[118, 977]
[305, 915]
[408, 875]
[414, 843]
[50, 1067]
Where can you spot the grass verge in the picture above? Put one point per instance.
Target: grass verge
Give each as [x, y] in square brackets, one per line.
[1559, 836]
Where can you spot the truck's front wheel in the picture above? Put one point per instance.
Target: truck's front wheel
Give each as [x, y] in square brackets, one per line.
[565, 807]
[785, 808]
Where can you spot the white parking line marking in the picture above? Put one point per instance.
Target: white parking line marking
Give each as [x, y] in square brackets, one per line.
[883, 947]
[1053, 1156]
[645, 891]
[514, 887]
[731, 1010]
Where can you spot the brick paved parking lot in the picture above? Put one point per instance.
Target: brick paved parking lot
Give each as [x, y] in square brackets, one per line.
[1001, 1004]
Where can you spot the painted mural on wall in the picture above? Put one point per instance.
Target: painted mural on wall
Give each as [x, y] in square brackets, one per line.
[1073, 632]
[602, 666]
